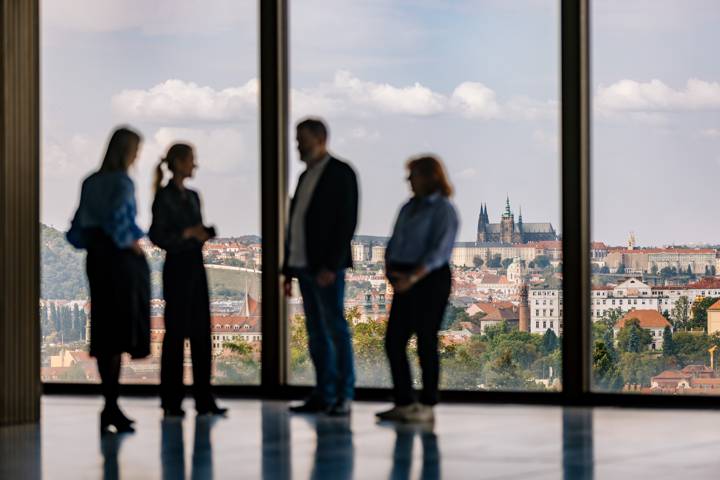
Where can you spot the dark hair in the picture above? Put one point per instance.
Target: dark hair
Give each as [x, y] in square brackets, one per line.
[116, 156]
[430, 167]
[315, 126]
[176, 152]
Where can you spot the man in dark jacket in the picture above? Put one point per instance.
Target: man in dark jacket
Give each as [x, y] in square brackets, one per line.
[323, 216]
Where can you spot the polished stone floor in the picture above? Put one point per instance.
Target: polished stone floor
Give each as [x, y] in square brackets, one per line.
[260, 440]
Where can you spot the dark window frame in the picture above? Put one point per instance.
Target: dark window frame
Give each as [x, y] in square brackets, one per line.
[575, 170]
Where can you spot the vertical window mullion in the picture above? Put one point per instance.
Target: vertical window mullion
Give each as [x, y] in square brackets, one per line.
[575, 197]
[273, 167]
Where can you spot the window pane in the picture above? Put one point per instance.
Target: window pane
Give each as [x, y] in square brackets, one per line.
[476, 83]
[656, 138]
[175, 70]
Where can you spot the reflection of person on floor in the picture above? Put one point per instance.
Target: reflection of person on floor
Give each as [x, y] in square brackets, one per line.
[402, 454]
[334, 451]
[172, 450]
[323, 216]
[417, 265]
[177, 227]
[110, 447]
[118, 274]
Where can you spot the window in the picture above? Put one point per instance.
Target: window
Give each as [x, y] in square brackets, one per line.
[655, 117]
[454, 85]
[190, 75]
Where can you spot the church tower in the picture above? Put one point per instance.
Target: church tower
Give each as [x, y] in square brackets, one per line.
[523, 309]
[507, 224]
[483, 221]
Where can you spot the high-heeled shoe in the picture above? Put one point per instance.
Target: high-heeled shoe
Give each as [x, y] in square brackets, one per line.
[114, 421]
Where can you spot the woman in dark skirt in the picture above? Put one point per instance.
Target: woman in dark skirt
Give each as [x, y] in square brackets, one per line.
[177, 227]
[117, 271]
[417, 265]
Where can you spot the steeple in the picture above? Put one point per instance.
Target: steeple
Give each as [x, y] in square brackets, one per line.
[520, 216]
[508, 212]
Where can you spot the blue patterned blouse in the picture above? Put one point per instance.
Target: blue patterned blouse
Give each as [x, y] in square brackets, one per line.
[107, 202]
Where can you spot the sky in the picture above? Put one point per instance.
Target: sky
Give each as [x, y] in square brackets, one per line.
[475, 82]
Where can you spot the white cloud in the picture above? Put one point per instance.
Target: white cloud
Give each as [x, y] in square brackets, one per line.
[475, 100]
[655, 96]
[218, 150]
[176, 100]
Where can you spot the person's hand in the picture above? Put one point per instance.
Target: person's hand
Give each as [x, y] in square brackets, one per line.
[197, 232]
[287, 287]
[137, 249]
[402, 283]
[325, 277]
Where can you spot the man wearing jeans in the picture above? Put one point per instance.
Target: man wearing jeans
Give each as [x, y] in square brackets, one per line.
[323, 216]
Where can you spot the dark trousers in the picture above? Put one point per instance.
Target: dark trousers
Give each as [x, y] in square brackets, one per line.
[329, 337]
[418, 311]
[187, 315]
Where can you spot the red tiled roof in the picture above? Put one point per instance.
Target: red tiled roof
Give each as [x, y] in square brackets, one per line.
[715, 307]
[647, 319]
[706, 283]
[687, 251]
[671, 375]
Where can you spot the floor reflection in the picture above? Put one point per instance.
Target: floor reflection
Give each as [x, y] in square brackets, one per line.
[578, 454]
[334, 450]
[403, 452]
[20, 452]
[172, 449]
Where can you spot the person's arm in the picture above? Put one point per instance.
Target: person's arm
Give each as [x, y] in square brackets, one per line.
[439, 247]
[441, 241]
[120, 223]
[343, 218]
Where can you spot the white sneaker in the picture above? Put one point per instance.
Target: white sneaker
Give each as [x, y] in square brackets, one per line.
[397, 413]
[419, 413]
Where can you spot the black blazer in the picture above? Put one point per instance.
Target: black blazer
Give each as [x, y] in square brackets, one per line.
[330, 220]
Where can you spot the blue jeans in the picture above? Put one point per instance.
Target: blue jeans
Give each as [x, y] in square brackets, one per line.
[329, 337]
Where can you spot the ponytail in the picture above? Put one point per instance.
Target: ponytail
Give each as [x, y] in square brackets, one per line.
[177, 151]
[159, 174]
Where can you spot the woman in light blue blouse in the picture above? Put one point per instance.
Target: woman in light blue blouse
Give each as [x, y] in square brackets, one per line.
[417, 265]
[118, 274]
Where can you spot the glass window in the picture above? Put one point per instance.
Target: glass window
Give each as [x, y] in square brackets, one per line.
[656, 118]
[175, 72]
[476, 83]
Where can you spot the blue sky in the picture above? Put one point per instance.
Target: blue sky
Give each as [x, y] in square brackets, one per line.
[474, 81]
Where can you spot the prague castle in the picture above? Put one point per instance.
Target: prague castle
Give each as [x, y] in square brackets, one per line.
[509, 231]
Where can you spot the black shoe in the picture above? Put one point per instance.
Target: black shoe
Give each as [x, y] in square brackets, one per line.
[174, 412]
[341, 408]
[213, 410]
[312, 405]
[113, 421]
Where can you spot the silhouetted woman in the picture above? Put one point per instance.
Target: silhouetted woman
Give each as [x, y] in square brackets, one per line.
[177, 227]
[417, 265]
[118, 274]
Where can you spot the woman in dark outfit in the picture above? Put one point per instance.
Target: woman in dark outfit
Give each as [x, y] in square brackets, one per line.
[177, 227]
[117, 271]
[417, 265]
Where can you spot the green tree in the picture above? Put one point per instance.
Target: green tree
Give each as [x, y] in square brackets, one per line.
[633, 338]
[680, 313]
[478, 261]
[495, 261]
[606, 375]
[611, 317]
[699, 312]
[506, 262]
[542, 261]
[549, 342]
[668, 343]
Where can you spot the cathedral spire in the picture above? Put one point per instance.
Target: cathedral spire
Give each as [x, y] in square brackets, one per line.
[508, 212]
[520, 215]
